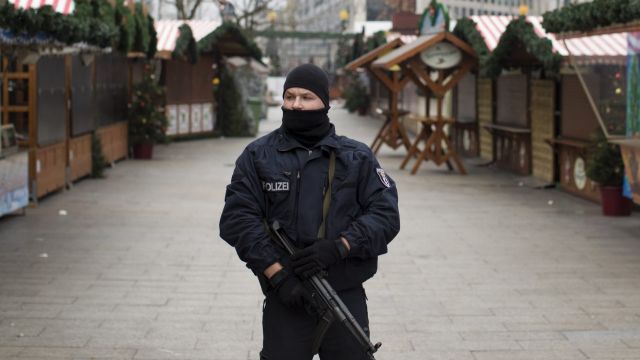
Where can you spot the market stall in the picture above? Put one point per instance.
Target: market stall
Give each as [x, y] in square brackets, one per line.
[392, 133]
[191, 54]
[522, 62]
[436, 63]
[49, 84]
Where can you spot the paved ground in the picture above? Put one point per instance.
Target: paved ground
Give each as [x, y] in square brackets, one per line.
[485, 268]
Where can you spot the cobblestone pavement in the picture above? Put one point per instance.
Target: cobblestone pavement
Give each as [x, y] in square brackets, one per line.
[485, 267]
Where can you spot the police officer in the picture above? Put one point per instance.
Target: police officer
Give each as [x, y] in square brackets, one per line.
[333, 200]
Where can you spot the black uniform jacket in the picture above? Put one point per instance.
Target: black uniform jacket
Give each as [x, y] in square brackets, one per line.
[276, 178]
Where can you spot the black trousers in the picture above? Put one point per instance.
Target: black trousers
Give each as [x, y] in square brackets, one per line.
[288, 332]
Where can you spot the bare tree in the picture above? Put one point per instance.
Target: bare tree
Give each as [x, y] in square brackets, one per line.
[252, 13]
[186, 8]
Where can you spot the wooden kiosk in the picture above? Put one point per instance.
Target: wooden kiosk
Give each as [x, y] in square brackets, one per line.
[392, 132]
[436, 63]
[187, 76]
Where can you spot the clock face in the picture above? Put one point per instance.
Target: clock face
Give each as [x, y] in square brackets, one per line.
[441, 56]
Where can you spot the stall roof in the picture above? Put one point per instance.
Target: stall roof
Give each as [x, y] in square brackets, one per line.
[65, 7]
[405, 38]
[168, 31]
[372, 55]
[594, 49]
[412, 49]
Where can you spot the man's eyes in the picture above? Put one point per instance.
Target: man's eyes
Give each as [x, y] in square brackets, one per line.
[289, 97]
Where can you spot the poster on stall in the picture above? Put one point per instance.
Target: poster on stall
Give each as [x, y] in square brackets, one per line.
[633, 84]
[183, 119]
[631, 154]
[172, 117]
[14, 182]
[196, 118]
[208, 122]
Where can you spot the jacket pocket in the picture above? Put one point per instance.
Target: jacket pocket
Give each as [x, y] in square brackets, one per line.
[278, 190]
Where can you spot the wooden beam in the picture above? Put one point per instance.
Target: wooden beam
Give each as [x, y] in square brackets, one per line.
[383, 78]
[403, 82]
[412, 76]
[466, 67]
[613, 29]
[416, 66]
[366, 59]
[32, 116]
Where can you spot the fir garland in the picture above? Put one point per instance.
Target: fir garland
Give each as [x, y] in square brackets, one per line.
[186, 45]
[153, 38]
[94, 22]
[126, 27]
[467, 31]
[141, 38]
[209, 42]
[591, 15]
[379, 38]
[233, 118]
[521, 31]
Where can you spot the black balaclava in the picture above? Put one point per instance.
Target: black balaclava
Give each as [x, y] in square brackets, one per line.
[310, 126]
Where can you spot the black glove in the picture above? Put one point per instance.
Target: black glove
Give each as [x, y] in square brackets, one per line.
[289, 289]
[317, 257]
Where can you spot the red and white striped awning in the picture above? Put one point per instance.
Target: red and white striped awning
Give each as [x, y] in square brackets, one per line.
[405, 38]
[168, 31]
[597, 48]
[65, 7]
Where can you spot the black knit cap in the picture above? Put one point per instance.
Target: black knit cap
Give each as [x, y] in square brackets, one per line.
[310, 77]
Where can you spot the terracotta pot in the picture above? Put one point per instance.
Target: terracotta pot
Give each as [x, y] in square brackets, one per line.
[143, 151]
[613, 203]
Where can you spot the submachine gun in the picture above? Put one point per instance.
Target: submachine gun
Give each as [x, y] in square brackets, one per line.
[329, 305]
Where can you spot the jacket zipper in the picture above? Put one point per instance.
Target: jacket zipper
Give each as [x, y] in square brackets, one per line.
[295, 210]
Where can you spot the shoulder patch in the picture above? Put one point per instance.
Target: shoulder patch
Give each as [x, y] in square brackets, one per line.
[383, 177]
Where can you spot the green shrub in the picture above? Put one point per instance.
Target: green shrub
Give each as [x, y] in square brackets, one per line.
[605, 165]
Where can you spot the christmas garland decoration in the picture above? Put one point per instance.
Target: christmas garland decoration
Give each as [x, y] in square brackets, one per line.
[467, 31]
[186, 45]
[379, 38]
[521, 31]
[94, 22]
[209, 42]
[591, 15]
[233, 119]
[153, 38]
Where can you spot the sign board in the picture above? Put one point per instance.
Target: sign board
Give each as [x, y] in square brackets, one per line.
[196, 118]
[208, 123]
[631, 155]
[183, 119]
[172, 117]
[14, 182]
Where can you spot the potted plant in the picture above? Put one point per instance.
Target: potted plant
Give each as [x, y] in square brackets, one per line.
[147, 120]
[356, 98]
[606, 167]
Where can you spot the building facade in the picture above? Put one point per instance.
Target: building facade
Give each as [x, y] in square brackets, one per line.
[325, 16]
[166, 10]
[462, 8]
